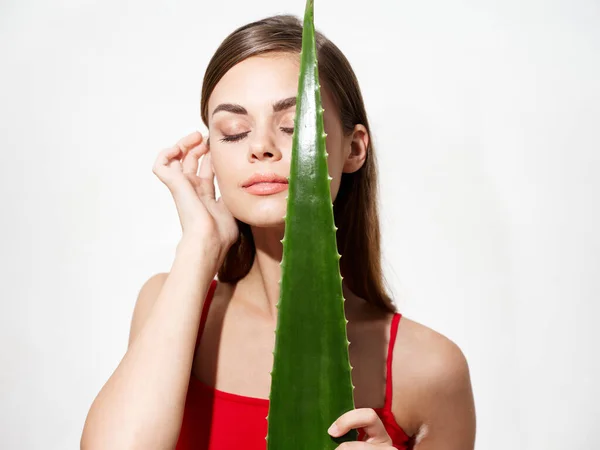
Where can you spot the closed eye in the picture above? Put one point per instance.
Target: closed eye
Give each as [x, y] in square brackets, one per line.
[240, 136]
[234, 137]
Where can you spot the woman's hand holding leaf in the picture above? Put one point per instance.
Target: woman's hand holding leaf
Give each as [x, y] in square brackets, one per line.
[366, 418]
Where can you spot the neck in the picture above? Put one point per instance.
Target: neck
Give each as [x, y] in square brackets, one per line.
[260, 287]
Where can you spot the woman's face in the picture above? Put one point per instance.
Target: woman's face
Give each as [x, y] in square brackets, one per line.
[252, 137]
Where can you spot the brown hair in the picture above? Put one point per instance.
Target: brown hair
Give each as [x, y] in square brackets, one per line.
[355, 207]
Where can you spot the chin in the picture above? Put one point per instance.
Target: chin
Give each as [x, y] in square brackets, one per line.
[262, 213]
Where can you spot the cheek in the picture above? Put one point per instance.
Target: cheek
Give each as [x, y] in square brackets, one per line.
[334, 148]
[335, 187]
[335, 164]
[223, 169]
[334, 144]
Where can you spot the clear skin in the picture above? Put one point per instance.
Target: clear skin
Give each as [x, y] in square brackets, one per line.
[256, 84]
[432, 397]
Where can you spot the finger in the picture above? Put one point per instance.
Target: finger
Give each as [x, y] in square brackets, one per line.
[190, 141]
[206, 170]
[169, 157]
[166, 155]
[175, 163]
[365, 418]
[184, 145]
[190, 161]
[163, 160]
[207, 177]
[357, 445]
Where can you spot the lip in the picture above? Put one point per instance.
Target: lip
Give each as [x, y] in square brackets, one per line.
[266, 188]
[265, 184]
[264, 178]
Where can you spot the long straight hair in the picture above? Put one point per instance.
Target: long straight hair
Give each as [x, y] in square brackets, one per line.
[356, 206]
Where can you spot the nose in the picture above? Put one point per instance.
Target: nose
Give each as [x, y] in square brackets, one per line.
[263, 147]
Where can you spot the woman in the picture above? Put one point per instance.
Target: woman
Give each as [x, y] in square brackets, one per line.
[197, 370]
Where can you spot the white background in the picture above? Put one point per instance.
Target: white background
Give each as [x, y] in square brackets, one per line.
[485, 116]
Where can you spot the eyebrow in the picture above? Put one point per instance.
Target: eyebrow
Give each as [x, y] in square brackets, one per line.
[278, 106]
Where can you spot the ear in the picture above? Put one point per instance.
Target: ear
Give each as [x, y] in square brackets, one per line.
[357, 145]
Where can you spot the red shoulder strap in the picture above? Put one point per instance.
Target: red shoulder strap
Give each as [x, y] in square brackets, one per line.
[205, 307]
[388, 376]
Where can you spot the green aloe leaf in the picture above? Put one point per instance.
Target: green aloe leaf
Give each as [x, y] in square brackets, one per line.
[311, 379]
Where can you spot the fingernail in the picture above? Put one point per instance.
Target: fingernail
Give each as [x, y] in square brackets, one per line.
[333, 429]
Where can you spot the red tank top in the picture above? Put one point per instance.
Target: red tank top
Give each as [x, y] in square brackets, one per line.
[218, 420]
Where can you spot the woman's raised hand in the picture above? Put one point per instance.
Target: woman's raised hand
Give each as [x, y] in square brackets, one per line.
[201, 216]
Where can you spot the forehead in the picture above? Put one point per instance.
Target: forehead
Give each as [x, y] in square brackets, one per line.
[260, 81]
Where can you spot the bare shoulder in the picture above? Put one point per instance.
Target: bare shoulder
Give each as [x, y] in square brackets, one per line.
[427, 354]
[432, 386]
[145, 300]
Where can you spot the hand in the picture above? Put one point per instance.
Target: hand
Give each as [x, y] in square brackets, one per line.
[194, 192]
[376, 435]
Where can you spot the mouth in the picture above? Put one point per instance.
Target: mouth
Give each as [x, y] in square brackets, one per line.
[266, 187]
[265, 184]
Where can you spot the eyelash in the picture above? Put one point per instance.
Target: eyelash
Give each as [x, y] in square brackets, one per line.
[239, 137]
